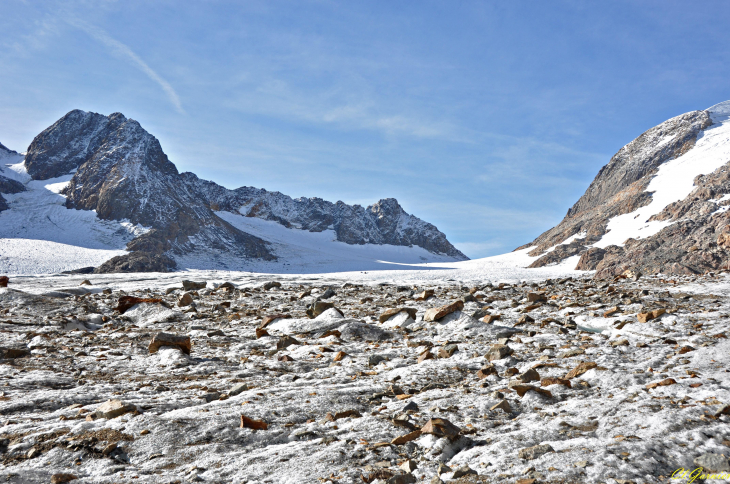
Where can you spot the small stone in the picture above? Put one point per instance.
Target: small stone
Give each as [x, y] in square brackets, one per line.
[19, 351]
[523, 389]
[724, 410]
[144, 432]
[486, 371]
[339, 356]
[33, 453]
[531, 453]
[126, 302]
[620, 342]
[581, 464]
[85, 282]
[249, 423]
[328, 293]
[443, 469]
[238, 389]
[338, 415]
[462, 471]
[664, 383]
[447, 351]
[409, 466]
[62, 478]
[402, 479]
[112, 409]
[632, 274]
[504, 405]
[529, 375]
[510, 372]
[436, 480]
[373, 360]
[498, 351]
[713, 462]
[168, 339]
[525, 318]
[426, 355]
[273, 317]
[193, 286]
[260, 333]
[610, 311]
[389, 313]
[109, 448]
[441, 427]
[286, 341]
[490, 318]
[4, 280]
[185, 300]
[424, 295]
[536, 297]
[546, 382]
[648, 316]
[580, 369]
[685, 349]
[411, 406]
[319, 307]
[404, 439]
[271, 284]
[434, 314]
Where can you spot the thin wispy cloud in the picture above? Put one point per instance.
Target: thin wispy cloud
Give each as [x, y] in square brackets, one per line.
[121, 50]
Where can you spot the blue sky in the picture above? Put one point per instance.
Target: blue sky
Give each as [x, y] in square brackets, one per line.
[487, 119]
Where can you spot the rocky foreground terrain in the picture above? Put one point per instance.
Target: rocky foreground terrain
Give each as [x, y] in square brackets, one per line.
[313, 380]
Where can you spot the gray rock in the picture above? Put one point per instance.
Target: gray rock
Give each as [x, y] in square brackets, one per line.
[530, 453]
[368, 332]
[238, 389]
[713, 462]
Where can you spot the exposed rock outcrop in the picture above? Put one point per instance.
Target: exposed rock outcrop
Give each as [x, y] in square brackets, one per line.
[620, 186]
[119, 171]
[384, 222]
[697, 236]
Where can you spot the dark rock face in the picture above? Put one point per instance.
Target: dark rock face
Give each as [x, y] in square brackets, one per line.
[123, 174]
[698, 241]
[694, 243]
[6, 184]
[620, 186]
[384, 222]
[136, 262]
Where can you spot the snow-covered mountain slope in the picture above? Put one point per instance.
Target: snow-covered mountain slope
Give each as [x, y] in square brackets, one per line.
[102, 183]
[658, 206]
[384, 222]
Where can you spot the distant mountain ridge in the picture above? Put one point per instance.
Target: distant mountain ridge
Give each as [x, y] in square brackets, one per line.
[120, 171]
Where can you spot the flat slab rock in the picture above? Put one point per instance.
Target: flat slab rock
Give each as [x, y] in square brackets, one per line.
[434, 314]
[174, 340]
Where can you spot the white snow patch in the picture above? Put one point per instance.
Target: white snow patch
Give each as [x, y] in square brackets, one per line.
[674, 181]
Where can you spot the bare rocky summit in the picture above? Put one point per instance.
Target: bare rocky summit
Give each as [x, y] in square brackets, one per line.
[692, 242]
[120, 171]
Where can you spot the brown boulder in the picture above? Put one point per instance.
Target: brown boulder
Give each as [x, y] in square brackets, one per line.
[249, 423]
[434, 314]
[126, 302]
[174, 340]
[580, 369]
[4, 281]
[441, 427]
[648, 316]
[389, 313]
[273, 317]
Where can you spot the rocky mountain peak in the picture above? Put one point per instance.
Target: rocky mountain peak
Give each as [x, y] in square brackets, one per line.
[114, 167]
[656, 206]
